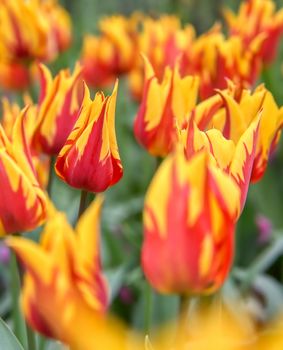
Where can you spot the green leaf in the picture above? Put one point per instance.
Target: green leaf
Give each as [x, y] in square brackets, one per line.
[8, 341]
[115, 279]
[262, 263]
[272, 292]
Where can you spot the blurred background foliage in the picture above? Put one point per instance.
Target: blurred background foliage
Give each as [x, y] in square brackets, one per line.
[258, 270]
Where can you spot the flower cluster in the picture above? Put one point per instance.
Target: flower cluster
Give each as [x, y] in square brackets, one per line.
[212, 56]
[30, 30]
[200, 114]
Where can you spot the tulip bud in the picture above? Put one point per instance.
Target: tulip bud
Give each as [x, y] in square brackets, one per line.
[90, 159]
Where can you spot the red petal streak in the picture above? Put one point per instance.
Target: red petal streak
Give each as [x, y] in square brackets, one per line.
[14, 214]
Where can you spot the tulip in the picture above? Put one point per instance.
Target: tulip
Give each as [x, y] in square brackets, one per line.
[14, 75]
[239, 114]
[29, 31]
[257, 18]
[214, 58]
[190, 212]
[63, 284]
[163, 106]
[163, 41]
[59, 103]
[24, 30]
[113, 52]
[232, 111]
[89, 159]
[236, 159]
[22, 202]
[11, 112]
[60, 22]
[95, 72]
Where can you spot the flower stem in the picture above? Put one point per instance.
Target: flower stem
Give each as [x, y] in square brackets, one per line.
[182, 322]
[83, 203]
[51, 175]
[148, 308]
[15, 286]
[184, 305]
[22, 331]
[30, 338]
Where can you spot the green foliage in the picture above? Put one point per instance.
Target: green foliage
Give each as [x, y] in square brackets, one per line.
[8, 339]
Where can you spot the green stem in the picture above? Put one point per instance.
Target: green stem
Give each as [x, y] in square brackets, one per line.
[267, 78]
[83, 203]
[148, 308]
[182, 322]
[158, 162]
[30, 338]
[15, 286]
[184, 304]
[21, 329]
[51, 175]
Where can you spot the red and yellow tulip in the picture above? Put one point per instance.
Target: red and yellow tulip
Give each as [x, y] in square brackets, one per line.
[255, 19]
[22, 202]
[163, 41]
[234, 110]
[241, 108]
[28, 30]
[60, 23]
[59, 103]
[164, 105]
[90, 159]
[113, 53]
[236, 159]
[63, 283]
[189, 219]
[14, 75]
[215, 59]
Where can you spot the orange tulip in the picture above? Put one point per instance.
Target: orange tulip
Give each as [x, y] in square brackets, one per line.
[59, 103]
[163, 106]
[234, 158]
[89, 159]
[215, 59]
[22, 202]
[189, 221]
[162, 41]
[28, 30]
[113, 53]
[232, 111]
[63, 284]
[14, 75]
[257, 18]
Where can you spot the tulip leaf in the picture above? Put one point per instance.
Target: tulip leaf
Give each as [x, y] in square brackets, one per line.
[8, 340]
[272, 292]
[262, 262]
[115, 279]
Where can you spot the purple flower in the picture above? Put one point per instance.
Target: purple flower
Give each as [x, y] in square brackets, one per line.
[126, 295]
[4, 254]
[265, 228]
